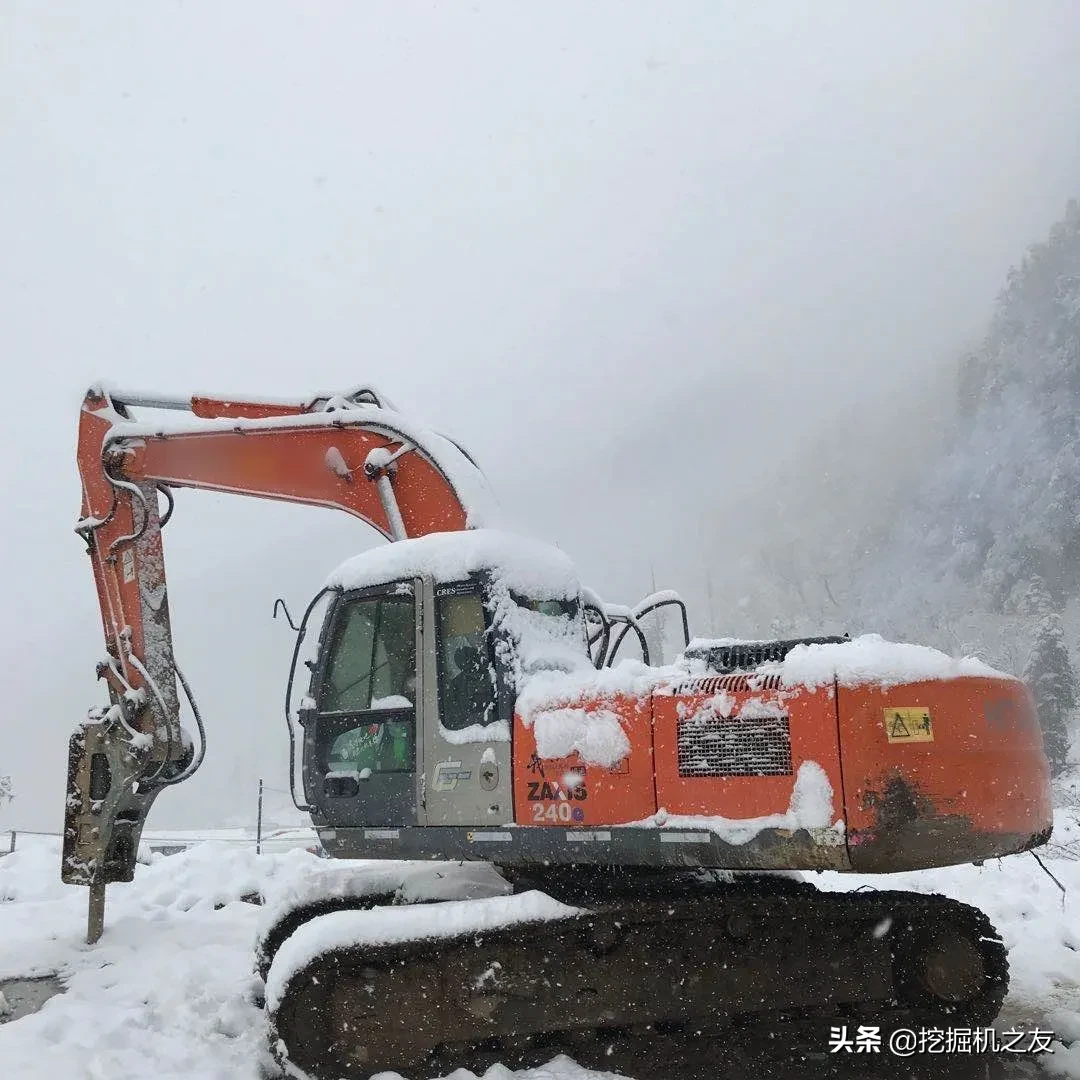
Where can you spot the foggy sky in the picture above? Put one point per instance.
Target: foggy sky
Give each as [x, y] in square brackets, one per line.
[633, 255]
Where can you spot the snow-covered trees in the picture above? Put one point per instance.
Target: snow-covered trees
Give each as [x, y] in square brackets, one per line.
[1014, 494]
[7, 792]
[970, 542]
[999, 509]
[1049, 673]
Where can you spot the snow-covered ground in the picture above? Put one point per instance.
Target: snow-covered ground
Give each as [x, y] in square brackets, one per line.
[167, 991]
[273, 839]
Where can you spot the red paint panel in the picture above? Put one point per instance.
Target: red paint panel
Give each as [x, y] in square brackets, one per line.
[289, 464]
[611, 796]
[811, 716]
[985, 762]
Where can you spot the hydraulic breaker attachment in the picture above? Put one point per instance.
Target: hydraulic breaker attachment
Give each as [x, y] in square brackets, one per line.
[104, 813]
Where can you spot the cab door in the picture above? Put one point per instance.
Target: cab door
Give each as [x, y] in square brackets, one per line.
[361, 747]
[468, 712]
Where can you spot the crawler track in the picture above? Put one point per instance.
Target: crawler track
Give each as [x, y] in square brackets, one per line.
[692, 977]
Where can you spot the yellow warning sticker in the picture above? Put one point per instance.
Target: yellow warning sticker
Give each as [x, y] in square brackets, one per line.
[908, 724]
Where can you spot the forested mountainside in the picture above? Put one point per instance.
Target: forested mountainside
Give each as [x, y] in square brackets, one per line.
[999, 522]
[966, 534]
[988, 554]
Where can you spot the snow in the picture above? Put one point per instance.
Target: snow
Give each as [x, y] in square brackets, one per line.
[335, 462]
[548, 688]
[393, 701]
[811, 807]
[469, 483]
[661, 596]
[407, 881]
[168, 991]
[812, 799]
[527, 566]
[865, 659]
[758, 709]
[387, 925]
[699, 644]
[497, 731]
[871, 659]
[721, 705]
[597, 736]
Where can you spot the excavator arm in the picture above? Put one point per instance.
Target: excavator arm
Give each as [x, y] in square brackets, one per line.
[351, 452]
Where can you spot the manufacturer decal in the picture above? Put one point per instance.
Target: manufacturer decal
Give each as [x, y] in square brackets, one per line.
[908, 725]
[447, 774]
[551, 799]
[542, 790]
[556, 813]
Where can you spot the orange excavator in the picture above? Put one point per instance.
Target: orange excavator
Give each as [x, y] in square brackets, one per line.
[586, 856]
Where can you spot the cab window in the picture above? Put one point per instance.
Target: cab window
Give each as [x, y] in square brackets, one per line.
[370, 670]
[466, 677]
[372, 662]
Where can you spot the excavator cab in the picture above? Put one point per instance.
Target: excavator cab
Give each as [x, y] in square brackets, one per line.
[396, 734]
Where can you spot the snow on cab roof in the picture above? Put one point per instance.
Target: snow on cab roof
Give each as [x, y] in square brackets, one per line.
[530, 567]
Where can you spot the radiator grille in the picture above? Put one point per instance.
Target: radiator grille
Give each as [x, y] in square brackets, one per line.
[711, 745]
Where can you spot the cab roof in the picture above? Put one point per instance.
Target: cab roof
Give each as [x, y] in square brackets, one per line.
[526, 566]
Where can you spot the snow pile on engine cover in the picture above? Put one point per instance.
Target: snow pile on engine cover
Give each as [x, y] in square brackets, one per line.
[871, 659]
[552, 698]
[168, 991]
[392, 925]
[551, 694]
[596, 736]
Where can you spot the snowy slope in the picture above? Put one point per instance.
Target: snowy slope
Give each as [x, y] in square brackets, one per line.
[166, 993]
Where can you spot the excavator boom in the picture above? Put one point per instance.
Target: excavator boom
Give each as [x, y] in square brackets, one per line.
[350, 452]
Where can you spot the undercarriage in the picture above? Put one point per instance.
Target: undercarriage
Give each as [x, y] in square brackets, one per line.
[646, 975]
